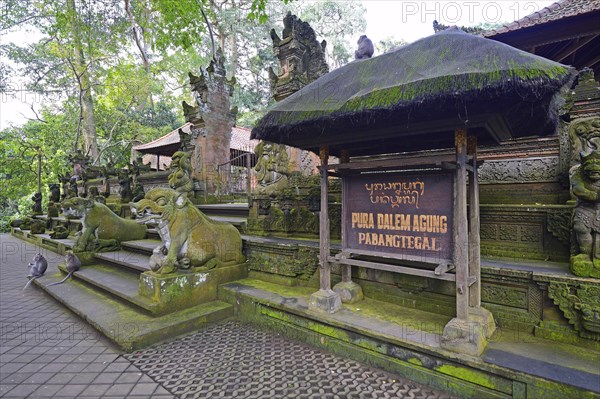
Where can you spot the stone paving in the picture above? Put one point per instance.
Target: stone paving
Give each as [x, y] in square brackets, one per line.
[46, 351]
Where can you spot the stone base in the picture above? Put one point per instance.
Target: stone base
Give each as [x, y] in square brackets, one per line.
[325, 301]
[183, 290]
[484, 318]
[349, 292]
[469, 336]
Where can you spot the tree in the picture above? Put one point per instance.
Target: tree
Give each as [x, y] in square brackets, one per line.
[389, 44]
[78, 36]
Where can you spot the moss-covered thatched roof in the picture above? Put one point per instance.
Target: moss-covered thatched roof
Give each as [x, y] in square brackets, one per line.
[414, 97]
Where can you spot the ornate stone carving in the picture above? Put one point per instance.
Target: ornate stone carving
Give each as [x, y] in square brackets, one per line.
[558, 223]
[580, 303]
[504, 295]
[298, 262]
[180, 178]
[272, 168]
[528, 170]
[585, 183]
[301, 57]
[213, 119]
[189, 238]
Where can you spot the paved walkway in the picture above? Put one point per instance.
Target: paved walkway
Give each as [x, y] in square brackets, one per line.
[46, 351]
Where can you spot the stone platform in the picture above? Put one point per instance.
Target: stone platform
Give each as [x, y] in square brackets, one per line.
[407, 342]
[390, 329]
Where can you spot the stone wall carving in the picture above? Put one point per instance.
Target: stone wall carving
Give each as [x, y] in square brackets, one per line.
[294, 261]
[558, 224]
[580, 304]
[526, 170]
[301, 57]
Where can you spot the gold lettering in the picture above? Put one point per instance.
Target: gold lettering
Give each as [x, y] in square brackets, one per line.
[443, 224]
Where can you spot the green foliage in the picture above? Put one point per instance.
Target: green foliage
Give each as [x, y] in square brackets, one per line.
[388, 44]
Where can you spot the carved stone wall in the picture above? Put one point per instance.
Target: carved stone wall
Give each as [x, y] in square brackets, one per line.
[213, 119]
[528, 170]
[526, 232]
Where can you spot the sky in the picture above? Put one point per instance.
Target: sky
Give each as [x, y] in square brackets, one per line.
[409, 20]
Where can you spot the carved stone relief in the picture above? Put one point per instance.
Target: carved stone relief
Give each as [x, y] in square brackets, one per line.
[529, 170]
[580, 304]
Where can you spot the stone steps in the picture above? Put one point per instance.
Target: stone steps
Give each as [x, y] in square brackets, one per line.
[116, 281]
[240, 210]
[135, 261]
[127, 326]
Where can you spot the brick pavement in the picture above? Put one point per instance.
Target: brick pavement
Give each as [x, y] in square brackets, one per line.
[46, 351]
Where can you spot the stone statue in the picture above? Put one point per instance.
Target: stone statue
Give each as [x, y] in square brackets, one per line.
[585, 184]
[272, 167]
[53, 210]
[365, 48]
[36, 208]
[190, 239]
[104, 225]
[54, 192]
[59, 232]
[125, 183]
[73, 189]
[138, 192]
[64, 181]
[180, 178]
[94, 194]
[37, 227]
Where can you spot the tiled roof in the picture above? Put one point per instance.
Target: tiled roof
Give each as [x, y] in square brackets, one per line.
[559, 10]
[240, 139]
[169, 138]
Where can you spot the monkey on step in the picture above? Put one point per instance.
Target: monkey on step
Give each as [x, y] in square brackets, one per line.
[38, 268]
[72, 263]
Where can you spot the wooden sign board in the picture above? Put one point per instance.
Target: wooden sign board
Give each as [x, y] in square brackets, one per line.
[407, 215]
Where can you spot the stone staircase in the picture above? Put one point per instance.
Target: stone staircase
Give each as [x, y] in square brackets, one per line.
[107, 292]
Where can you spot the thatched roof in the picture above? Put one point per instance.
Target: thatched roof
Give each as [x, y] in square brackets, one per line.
[414, 97]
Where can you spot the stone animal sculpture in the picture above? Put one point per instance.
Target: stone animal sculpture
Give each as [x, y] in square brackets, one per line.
[365, 48]
[37, 227]
[585, 184]
[103, 223]
[38, 267]
[59, 232]
[37, 203]
[190, 239]
[72, 264]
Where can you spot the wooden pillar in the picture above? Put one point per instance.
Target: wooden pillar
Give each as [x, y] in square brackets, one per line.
[461, 234]
[474, 238]
[346, 269]
[325, 300]
[324, 247]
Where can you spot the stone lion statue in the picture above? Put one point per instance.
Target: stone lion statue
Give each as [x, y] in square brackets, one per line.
[108, 228]
[190, 239]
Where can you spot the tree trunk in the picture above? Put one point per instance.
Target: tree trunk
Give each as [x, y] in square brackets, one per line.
[83, 77]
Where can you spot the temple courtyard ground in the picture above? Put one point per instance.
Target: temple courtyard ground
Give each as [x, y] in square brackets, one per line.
[47, 351]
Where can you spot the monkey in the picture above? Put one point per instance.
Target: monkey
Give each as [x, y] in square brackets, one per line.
[73, 264]
[365, 48]
[38, 268]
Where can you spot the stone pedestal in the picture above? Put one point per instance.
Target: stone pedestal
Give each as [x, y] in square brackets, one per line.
[181, 290]
[469, 336]
[349, 291]
[325, 301]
